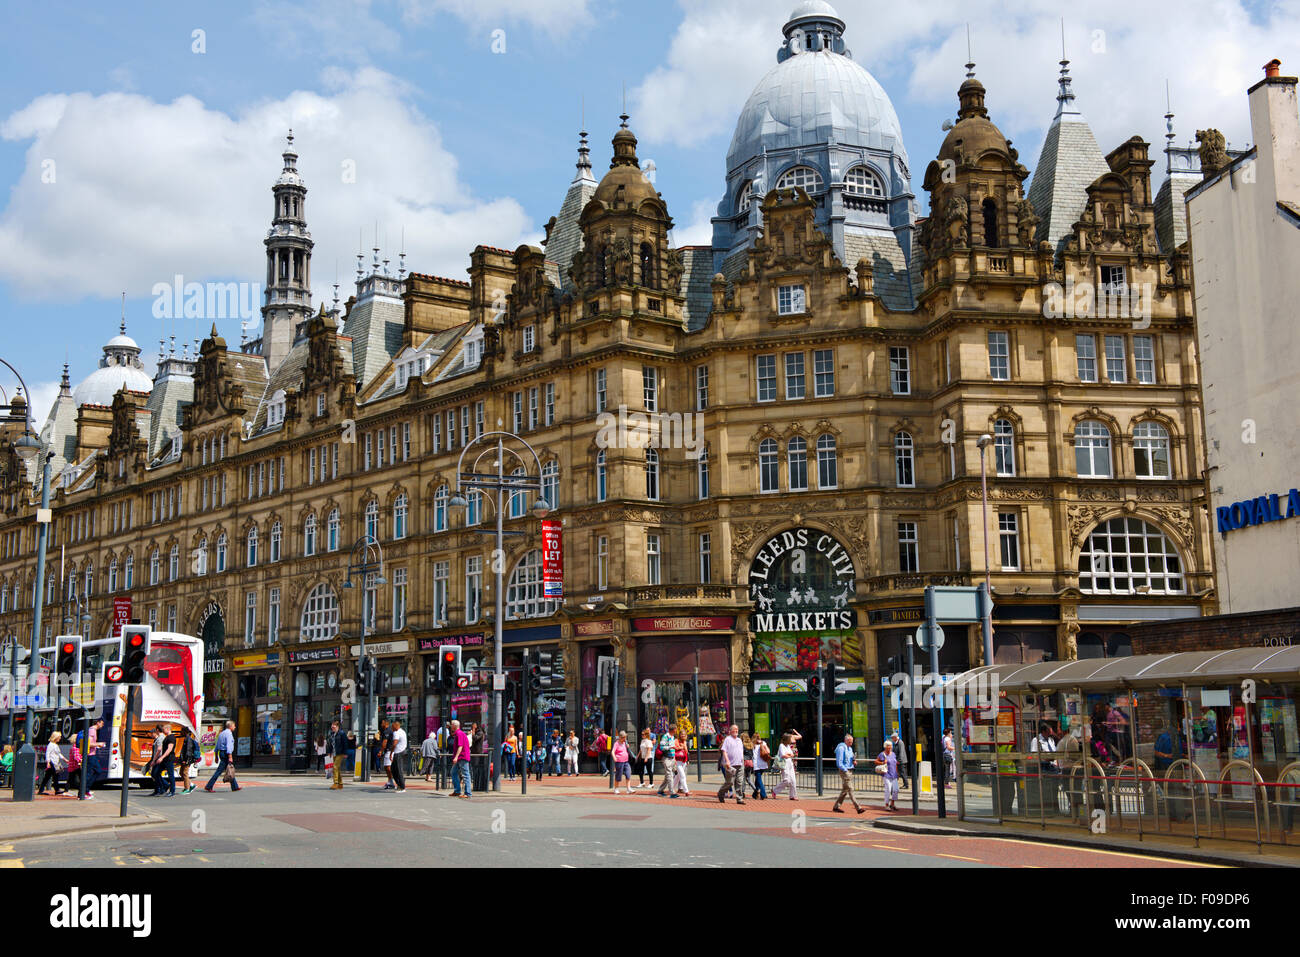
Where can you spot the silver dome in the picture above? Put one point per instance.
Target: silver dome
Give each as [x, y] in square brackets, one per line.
[104, 383]
[810, 99]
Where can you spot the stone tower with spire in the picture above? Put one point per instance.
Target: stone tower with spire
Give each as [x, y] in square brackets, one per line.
[288, 263]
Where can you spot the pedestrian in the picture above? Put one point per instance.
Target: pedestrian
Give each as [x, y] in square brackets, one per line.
[320, 754]
[845, 761]
[732, 763]
[889, 761]
[225, 756]
[397, 756]
[668, 760]
[76, 770]
[682, 755]
[762, 761]
[622, 755]
[163, 762]
[900, 754]
[478, 741]
[571, 748]
[508, 751]
[949, 759]
[748, 744]
[460, 761]
[784, 766]
[386, 751]
[189, 756]
[96, 764]
[645, 765]
[539, 757]
[429, 752]
[340, 749]
[54, 764]
[352, 751]
[556, 750]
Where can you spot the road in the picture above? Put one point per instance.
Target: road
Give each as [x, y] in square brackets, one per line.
[298, 821]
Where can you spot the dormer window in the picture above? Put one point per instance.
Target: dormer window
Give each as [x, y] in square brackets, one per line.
[530, 342]
[861, 181]
[275, 409]
[320, 405]
[746, 198]
[805, 177]
[791, 300]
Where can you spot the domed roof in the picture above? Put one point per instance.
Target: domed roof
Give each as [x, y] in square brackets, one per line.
[973, 132]
[104, 383]
[813, 8]
[122, 341]
[624, 183]
[809, 98]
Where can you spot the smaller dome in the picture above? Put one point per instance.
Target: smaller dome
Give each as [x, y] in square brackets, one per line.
[974, 133]
[813, 8]
[104, 383]
[625, 183]
[121, 341]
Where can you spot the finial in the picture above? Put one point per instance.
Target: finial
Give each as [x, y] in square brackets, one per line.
[173, 351]
[290, 137]
[162, 349]
[336, 297]
[122, 327]
[1169, 115]
[970, 56]
[624, 117]
[1066, 94]
[66, 383]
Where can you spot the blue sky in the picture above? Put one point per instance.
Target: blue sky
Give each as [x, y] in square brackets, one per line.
[163, 146]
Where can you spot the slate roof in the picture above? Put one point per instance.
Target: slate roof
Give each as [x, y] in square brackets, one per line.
[890, 271]
[375, 326]
[697, 285]
[566, 238]
[435, 345]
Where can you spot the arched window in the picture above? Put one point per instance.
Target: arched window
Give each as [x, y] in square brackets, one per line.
[745, 199]
[602, 487]
[1151, 451]
[1092, 449]
[112, 580]
[222, 546]
[372, 519]
[320, 614]
[802, 176]
[524, 593]
[797, 464]
[128, 576]
[441, 498]
[551, 484]
[1124, 555]
[201, 557]
[863, 181]
[90, 579]
[474, 513]
[399, 518]
[767, 466]
[333, 530]
[647, 265]
[652, 474]
[155, 567]
[828, 472]
[1004, 447]
[519, 498]
[309, 536]
[252, 547]
[277, 541]
[991, 223]
[173, 563]
[904, 465]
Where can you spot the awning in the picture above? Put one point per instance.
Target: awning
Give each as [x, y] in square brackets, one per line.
[1141, 671]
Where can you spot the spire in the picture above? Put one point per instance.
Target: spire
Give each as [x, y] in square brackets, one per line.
[1169, 124]
[122, 326]
[971, 93]
[290, 155]
[970, 56]
[65, 384]
[1065, 94]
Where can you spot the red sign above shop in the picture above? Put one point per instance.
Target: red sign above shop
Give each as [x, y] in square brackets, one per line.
[683, 624]
[552, 559]
[121, 614]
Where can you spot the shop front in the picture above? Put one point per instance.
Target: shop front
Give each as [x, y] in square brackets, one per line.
[895, 630]
[395, 702]
[260, 721]
[678, 658]
[548, 711]
[317, 701]
[437, 705]
[801, 582]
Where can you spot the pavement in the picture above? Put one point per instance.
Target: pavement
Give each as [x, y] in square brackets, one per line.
[48, 815]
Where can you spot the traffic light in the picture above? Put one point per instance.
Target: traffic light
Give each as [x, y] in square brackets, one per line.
[449, 658]
[831, 678]
[814, 686]
[535, 678]
[546, 671]
[67, 658]
[378, 679]
[135, 642]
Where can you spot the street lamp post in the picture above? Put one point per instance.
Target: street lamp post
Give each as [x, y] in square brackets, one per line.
[502, 484]
[987, 618]
[28, 448]
[368, 565]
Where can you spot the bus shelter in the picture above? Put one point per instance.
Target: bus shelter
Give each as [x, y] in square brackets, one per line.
[1199, 744]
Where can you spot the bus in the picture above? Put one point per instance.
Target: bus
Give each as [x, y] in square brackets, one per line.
[171, 696]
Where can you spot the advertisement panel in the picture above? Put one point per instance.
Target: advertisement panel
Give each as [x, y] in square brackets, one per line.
[121, 614]
[552, 560]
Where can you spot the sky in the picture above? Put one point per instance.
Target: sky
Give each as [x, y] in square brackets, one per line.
[139, 141]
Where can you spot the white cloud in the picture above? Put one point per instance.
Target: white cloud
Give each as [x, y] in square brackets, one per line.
[553, 16]
[1211, 50]
[698, 230]
[145, 190]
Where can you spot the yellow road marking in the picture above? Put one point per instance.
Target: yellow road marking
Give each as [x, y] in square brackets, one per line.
[1097, 850]
[889, 847]
[958, 857]
[11, 862]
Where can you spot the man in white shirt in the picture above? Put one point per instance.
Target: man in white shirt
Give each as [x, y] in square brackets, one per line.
[399, 750]
[733, 766]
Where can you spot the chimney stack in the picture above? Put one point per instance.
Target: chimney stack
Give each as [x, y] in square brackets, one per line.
[1272, 68]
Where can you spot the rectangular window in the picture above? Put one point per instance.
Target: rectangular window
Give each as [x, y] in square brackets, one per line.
[464, 426]
[371, 603]
[602, 563]
[530, 340]
[273, 617]
[311, 466]
[1144, 359]
[380, 445]
[900, 370]
[440, 573]
[766, 378]
[823, 373]
[908, 548]
[532, 409]
[652, 557]
[1085, 348]
[517, 398]
[250, 618]
[601, 395]
[480, 418]
[947, 361]
[473, 589]
[795, 388]
[369, 451]
[171, 618]
[999, 356]
[451, 429]
[399, 599]
[702, 474]
[706, 557]
[701, 388]
[1116, 363]
[406, 441]
[1113, 281]
[153, 620]
[1009, 537]
[791, 300]
[650, 388]
[549, 404]
[437, 433]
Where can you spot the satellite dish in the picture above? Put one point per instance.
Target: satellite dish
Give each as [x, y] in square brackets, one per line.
[947, 125]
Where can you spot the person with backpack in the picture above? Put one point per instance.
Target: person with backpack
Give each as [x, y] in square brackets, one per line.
[76, 768]
[602, 752]
[190, 756]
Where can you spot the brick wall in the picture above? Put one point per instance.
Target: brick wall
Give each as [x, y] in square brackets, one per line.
[1218, 633]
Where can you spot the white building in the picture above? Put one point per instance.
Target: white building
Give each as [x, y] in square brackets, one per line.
[1244, 222]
